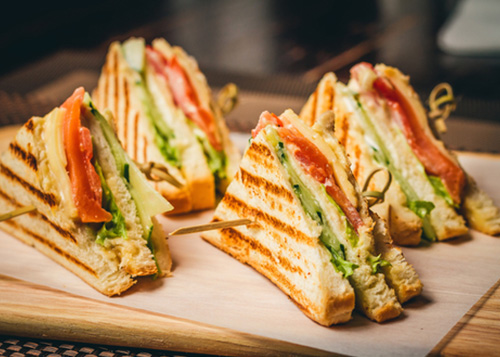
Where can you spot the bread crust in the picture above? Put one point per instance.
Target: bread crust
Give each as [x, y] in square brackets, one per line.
[26, 179]
[262, 191]
[290, 256]
[204, 93]
[199, 192]
[115, 93]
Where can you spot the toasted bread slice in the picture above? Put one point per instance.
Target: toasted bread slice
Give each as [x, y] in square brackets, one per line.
[284, 244]
[117, 92]
[28, 177]
[404, 225]
[142, 102]
[205, 97]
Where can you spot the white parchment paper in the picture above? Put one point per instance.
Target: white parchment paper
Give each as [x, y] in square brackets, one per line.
[211, 287]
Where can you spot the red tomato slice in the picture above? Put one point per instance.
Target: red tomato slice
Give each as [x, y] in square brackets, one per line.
[85, 182]
[266, 119]
[184, 94]
[434, 160]
[312, 161]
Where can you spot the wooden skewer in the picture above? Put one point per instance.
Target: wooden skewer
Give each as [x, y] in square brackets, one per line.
[158, 172]
[16, 213]
[441, 104]
[179, 231]
[228, 98]
[378, 196]
[210, 226]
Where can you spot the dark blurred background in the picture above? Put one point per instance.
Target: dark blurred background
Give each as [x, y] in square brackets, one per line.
[275, 50]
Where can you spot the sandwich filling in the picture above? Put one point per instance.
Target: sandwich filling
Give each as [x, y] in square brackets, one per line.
[445, 175]
[296, 152]
[90, 198]
[384, 157]
[164, 137]
[185, 98]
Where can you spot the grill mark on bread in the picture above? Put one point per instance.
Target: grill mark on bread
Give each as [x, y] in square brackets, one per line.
[343, 130]
[117, 82]
[134, 137]
[103, 93]
[24, 156]
[29, 125]
[126, 96]
[235, 238]
[281, 280]
[261, 154]
[356, 159]
[245, 210]
[64, 233]
[52, 246]
[48, 198]
[145, 149]
[248, 179]
[329, 94]
[6, 197]
[314, 98]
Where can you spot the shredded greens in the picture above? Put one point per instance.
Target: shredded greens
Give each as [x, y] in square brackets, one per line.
[313, 209]
[441, 190]
[377, 262]
[383, 156]
[216, 160]
[116, 227]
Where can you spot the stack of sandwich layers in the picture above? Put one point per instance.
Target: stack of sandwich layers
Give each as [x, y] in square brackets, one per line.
[313, 235]
[95, 211]
[382, 124]
[164, 113]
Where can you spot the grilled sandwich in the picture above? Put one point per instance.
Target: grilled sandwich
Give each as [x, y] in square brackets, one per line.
[94, 210]
[313, 235]
[381, 122]
[164, 113]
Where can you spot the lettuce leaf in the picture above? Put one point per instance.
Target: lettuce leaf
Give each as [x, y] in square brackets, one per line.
[116, 227]
[377, 262]
[421, 208]
[216, 160]
[382, 155]
[441, 190]
[313, 210]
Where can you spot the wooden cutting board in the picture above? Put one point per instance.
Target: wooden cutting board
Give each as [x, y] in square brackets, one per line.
[28, 309]
[32, 310]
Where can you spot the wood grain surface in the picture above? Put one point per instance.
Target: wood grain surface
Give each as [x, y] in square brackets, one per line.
[32, 310]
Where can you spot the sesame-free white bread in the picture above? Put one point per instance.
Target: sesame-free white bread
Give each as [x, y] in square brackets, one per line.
[477, 207]
[405, 226]
[447, 223]
[26, 179]
[374, 297]
[480, 210]
[118, 93]
[205, 97]
[283, 244]
[262, 191]
[194, 168]
[400, 274]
